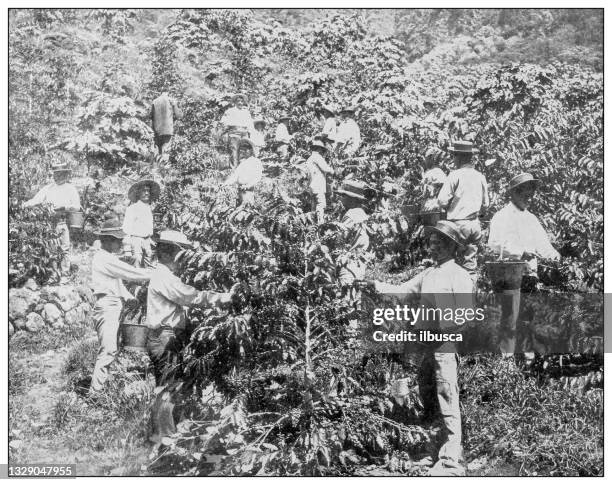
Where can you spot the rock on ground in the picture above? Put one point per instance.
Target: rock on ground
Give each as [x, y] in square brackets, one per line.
[51, 313]
[21, 302]
[34, 322]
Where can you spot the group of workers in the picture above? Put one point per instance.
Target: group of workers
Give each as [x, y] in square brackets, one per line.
[514, 233]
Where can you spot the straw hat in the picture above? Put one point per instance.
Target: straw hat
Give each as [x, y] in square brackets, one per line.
[318, 144]
[284, 116]
[447, 229]
[60, 168]
[134, 192]
[463, 146]
[239, 96]
[246, 142]
[175, 238]
[349, 109]
[521, 179]
[111, 228]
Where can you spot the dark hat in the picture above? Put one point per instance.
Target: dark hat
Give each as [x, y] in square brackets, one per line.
[319, 144]
[174, 238]
[463, 146]
[236, 96]
[134, 191]
[321, 136]
[111, 228]
[60, 167]
[355, 189]
[520, 179]
[259, 120]
[246, 142]
[447, 229]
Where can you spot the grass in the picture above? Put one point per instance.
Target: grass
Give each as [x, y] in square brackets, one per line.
[538, 427]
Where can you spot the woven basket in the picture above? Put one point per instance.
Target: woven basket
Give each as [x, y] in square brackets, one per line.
[134, 337]
[508, 274]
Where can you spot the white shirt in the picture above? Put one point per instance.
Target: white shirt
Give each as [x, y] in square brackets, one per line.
[445, 286]
[258, 138]
[330, 128]
[168, 295]
[282, 134]
[349, 133]
[247, 174]
[317, 167]
[238, 117]
[464, 194]
[516, 231]
[138, 220]
[64, 195]
[107, 271]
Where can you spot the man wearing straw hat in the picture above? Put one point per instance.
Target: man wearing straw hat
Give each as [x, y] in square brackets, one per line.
[464, 195]
[445, 285]
[167, 298]
[62, 196]
[282, 136]
[516, 234]
[348, 135]
[138, 220]
[258, 137]
[354, 196]
[164, 110]
[107, 273]
[238, 124]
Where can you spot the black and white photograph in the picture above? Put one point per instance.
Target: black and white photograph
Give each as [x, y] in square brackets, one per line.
[304, 242]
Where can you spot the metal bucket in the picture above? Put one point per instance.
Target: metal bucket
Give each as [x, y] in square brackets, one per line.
[507, 274]
[134, 337]
[75, 219]
[431, 218]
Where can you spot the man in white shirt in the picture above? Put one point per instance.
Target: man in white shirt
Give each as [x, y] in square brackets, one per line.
[282, 136]
[348, 134]
[238, 124]
[248, 174]
[62, 196]
[516, 234]
[443, 286]
[138, 220]
[259, 135]
[107, 273]
[317, 169]
[464, 195]
[167, 299]
[164, 110]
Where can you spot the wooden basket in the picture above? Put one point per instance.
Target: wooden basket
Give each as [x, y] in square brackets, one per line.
[508, 274]
[75, 219]
[134, 337]
[431, 218]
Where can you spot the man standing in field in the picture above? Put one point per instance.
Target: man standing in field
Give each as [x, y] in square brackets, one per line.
[282, 136]
[443, 286]
[167, 298]
[107, 273]
[516, 234]
[317, 169]
[164, 111]
[138, 220]
[348, 135]
[247, 174]
[238, 123]
[464, 195]
[62, 196]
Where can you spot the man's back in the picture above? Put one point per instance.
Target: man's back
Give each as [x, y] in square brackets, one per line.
[162, 113]
[464, 193]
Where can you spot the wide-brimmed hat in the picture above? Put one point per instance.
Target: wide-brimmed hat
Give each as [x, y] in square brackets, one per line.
[521, 179]
[242, 96]
[329, 108]
[60, 167]
[175, 238]
[356, 189]
[246, 142]
[448, 229]
[318, 144]
[111, 228]
[463, 146]
[134, 192]
[284, 116]
[259, 120]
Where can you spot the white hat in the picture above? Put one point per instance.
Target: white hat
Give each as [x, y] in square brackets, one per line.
[174, 237]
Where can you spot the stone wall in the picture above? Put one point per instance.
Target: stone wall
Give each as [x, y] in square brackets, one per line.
[31, 308]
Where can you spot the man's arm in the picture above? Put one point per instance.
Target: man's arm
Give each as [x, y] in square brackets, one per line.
[184, 295]
[544, 248]
[115, 268]
[447, 191]
[403, 291]
[485, 194]
[39, 198]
